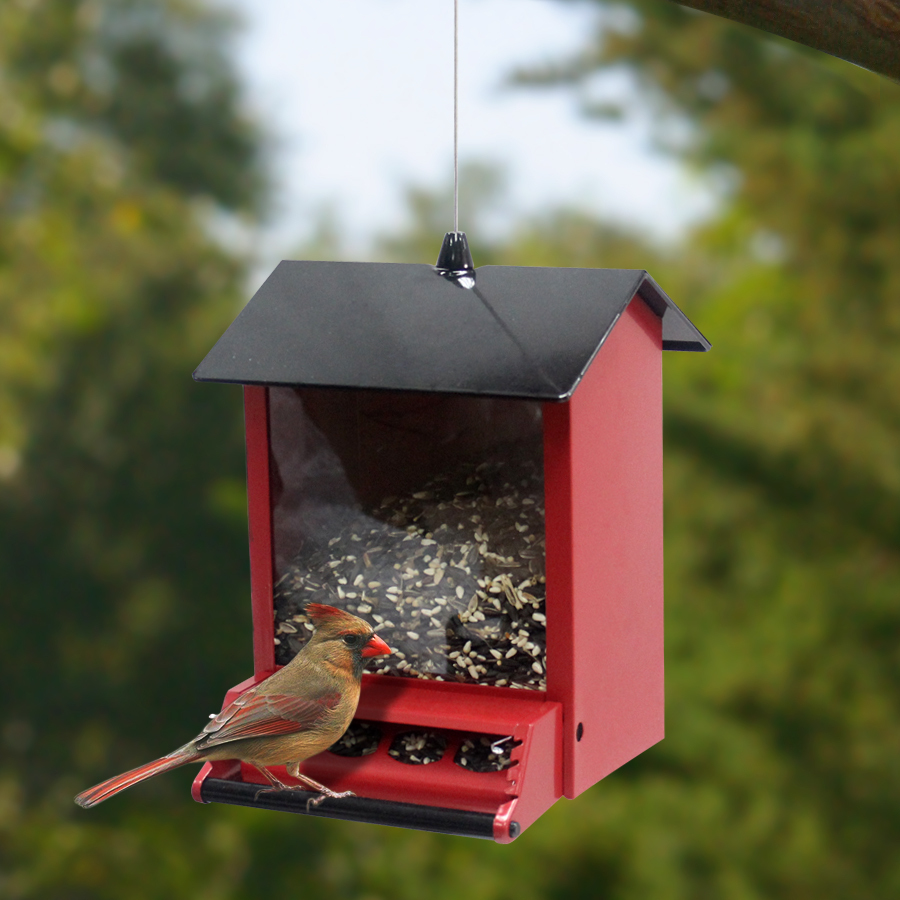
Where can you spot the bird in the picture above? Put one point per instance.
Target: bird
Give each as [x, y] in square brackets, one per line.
[295, 713]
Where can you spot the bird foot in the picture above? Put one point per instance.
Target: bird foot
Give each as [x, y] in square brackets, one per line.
[312, 802]
[272, 790]
[333, 795]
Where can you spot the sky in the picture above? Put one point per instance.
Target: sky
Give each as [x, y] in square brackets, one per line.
[358, 98]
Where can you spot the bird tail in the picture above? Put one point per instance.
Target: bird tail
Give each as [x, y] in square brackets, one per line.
[106, 789]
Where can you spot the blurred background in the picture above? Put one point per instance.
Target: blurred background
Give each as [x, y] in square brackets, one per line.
[156, 158]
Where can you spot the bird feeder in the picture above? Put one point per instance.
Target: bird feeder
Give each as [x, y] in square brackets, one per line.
[477, 471]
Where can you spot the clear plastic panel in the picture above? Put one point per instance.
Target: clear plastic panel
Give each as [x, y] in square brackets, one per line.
[424, 515]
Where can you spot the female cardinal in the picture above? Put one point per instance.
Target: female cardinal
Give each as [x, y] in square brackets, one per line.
[296, 713]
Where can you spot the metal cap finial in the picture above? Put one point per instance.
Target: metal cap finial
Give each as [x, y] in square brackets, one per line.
[455, 260]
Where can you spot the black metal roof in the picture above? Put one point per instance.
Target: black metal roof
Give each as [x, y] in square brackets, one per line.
[520, 332]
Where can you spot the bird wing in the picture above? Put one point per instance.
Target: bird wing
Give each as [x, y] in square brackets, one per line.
[258, 715]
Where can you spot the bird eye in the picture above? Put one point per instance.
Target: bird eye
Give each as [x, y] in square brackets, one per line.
[354, 641]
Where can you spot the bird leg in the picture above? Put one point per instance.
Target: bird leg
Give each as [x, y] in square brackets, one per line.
[276, 784]
[294, 771]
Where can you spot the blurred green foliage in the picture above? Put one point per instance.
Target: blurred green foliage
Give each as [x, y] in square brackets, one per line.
[122, 543]
[121, 554]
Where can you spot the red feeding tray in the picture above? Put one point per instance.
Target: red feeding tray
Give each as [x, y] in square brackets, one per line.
[478, 472]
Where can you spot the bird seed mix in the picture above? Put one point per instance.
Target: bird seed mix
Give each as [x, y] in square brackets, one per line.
[451, 576]
[476, 752]
[482, 753]
[418, 748]
[360, 739]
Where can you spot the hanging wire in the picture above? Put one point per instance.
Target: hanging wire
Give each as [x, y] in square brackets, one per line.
[455, 260]
[456, 115]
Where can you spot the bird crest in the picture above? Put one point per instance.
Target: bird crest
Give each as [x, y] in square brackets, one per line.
[331, 615]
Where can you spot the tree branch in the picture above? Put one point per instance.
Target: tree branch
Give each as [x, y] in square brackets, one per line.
[864, 32]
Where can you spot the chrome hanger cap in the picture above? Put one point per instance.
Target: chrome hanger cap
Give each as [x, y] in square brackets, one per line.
[455, 260]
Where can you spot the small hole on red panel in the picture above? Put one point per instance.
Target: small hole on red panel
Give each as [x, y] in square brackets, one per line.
[579, 731]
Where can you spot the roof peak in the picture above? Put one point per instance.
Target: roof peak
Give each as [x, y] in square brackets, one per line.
[522, 331]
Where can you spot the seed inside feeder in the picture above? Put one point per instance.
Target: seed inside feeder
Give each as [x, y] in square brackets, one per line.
[452, 556]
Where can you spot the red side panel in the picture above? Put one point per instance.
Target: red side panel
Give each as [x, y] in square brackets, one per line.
[603, 471]
[259, 510]
[538, 776]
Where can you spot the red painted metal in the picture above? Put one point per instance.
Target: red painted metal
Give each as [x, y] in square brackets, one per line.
[228, 769]
[445, 704]
[539, 775]
[259, 514]
[603, 491]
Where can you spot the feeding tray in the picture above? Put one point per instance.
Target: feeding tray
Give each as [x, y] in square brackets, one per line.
[478, 473]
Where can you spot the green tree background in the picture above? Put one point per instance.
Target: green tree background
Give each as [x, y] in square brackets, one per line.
[123, 578]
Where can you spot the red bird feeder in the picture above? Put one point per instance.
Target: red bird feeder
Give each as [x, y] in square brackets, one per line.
[478, 473]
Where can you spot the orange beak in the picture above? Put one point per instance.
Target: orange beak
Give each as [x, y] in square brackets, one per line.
[376, 647]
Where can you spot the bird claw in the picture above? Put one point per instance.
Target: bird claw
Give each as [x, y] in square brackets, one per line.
[271, 790]
[333, 795]
[312, 802]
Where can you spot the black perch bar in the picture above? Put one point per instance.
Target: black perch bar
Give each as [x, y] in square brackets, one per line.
[464, 823]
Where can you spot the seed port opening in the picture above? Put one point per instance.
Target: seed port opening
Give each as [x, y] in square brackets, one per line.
[486, 753]
[472, 751]
[418, 748]
[360, 739]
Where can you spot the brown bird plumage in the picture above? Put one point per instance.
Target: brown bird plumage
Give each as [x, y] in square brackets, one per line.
[294, 714]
